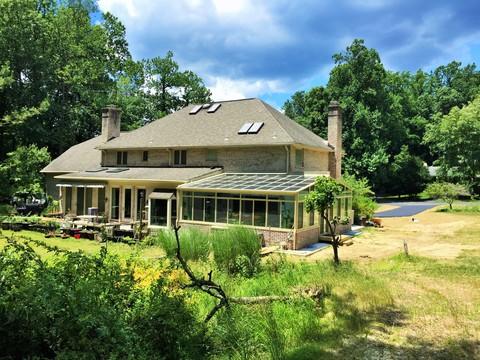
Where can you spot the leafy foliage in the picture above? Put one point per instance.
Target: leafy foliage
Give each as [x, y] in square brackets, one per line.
[321, 199]
[363, 203]
[448, 192]
[237, 251]
[78, 306]
[194, 243]
[409, 172]
[383, 111]
[456, 138]
[20, 173]
[325, 190]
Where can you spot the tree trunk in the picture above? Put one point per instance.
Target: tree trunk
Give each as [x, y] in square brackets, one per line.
[334, 242]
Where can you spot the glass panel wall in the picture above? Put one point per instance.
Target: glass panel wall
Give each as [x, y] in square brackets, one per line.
[115, 210]
[128, 204]
[158, 212]
[89, 198]
[274, 211]
[68, 200]
[101, 201]
[300, 215]
[252, 210]
[141, 201]
[80, 200]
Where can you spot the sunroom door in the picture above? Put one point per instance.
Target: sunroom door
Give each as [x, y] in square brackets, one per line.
[127, 204]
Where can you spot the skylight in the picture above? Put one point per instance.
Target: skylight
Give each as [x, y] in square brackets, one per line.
[244, 129]
[252, 182]
[195, 109]
[256, 127]
[214, 108]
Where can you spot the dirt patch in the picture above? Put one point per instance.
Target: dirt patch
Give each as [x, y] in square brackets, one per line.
[432, 234]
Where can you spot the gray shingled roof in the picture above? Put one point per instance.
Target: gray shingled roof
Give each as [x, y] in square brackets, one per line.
[178, 174]
[79, 157]
[219, 129]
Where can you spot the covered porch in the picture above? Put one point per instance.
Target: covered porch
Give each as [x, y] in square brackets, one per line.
[126, 196]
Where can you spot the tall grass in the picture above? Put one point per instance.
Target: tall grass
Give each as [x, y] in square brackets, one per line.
[237, 250]
[194, 244]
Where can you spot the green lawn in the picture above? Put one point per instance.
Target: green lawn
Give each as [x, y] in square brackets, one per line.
[88, 246]
[397, 307]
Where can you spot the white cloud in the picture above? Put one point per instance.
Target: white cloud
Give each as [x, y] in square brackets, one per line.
[229, 89]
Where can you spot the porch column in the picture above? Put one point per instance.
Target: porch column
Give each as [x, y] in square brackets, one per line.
[95, 197]
[60, 198]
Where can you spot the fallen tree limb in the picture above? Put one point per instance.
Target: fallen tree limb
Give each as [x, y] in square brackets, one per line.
[208, 286]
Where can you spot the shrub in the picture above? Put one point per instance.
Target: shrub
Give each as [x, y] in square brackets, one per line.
[363, 203]
[448, 192]
[237, 251]
[80, 306]
[194, 243]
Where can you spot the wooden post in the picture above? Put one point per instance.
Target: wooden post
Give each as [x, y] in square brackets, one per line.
[405, 247]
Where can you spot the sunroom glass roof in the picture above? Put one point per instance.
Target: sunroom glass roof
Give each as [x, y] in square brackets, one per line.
[252, 182]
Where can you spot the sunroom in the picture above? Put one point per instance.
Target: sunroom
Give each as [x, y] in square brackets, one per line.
[272, 204]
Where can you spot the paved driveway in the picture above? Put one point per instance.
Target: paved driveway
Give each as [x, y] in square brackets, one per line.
[406, 208]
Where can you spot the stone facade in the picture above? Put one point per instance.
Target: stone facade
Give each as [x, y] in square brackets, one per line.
[267, 159]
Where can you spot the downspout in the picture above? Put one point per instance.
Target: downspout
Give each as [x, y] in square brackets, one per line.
[287, 167]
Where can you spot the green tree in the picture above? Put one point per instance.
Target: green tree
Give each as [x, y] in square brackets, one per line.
[448, 192]
[58, 69]
[169, 89]
[455, 137]
[321, 199]
[20, 173]
[409, 175]
[383, 110]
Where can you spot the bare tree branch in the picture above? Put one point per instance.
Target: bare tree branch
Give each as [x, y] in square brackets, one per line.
[211, 288]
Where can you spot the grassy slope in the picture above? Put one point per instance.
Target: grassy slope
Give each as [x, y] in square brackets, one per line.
[395, 307]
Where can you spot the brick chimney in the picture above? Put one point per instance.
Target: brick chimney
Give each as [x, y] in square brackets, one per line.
[111, 116]
[335, 139]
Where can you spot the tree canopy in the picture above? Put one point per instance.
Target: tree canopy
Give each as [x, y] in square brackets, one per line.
[385, 114]
[58, 68]
[456, 139]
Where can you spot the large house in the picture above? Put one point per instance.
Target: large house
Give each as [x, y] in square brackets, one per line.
[230, 162]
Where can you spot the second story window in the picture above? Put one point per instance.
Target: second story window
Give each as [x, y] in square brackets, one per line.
[122, 157]
[299, 158]
[180, 157]
[145, 156]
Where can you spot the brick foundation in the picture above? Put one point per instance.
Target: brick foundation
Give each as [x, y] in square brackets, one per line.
[306, 237]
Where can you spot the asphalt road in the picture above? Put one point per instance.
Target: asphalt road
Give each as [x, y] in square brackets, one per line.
[406, 208]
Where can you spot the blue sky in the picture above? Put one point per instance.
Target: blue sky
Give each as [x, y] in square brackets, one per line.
[272, 48]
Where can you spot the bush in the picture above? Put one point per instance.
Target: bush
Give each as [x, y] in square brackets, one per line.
[363, 203]
[237, 251]
[194, 243]
[448, 192]
[80, 306]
